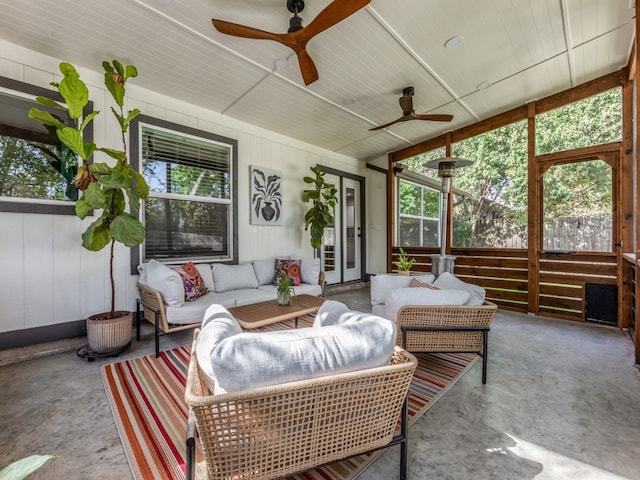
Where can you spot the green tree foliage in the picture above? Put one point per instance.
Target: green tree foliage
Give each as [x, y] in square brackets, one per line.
[493, 210]
[25, 172]
[593, 121]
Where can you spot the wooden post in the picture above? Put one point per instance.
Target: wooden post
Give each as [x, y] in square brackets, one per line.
[391, 211]
[534, 213]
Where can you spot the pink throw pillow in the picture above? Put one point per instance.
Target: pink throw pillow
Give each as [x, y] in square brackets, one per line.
[415, 283]
[194, 286]
[288, 268]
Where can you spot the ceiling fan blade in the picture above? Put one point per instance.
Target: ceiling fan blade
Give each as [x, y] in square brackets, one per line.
[380, 127]
[244, 31]
[307, 67]
[406, 103]
[333, 13]
[433, 118]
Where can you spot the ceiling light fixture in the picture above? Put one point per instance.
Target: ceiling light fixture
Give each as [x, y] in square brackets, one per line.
[454, 41]
[348, 101]
[483, 85]
[281, 63]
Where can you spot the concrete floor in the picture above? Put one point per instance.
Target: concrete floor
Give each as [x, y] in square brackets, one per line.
[562, 401]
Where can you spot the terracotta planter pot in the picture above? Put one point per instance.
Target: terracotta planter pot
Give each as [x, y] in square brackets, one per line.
[106, 335]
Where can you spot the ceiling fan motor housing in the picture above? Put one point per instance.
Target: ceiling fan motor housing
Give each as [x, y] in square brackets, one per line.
[408, 92]
[295, 7]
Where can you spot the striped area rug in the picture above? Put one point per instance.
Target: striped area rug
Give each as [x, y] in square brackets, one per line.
[146, 398]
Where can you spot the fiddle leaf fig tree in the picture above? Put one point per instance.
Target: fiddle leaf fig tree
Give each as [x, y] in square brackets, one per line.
[323, 202]
[107, 188]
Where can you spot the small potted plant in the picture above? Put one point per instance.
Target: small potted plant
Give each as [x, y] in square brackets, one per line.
[404, 263]
[285, 291]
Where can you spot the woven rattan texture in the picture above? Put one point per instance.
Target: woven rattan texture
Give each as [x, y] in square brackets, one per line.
[276, 431]
[444, 316]
[152, 298]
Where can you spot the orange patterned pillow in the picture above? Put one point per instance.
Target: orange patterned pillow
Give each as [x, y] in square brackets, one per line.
[194, 286]
[288, 268]
[415, 283]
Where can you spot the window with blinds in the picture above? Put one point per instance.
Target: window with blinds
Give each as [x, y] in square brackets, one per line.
[188, 214]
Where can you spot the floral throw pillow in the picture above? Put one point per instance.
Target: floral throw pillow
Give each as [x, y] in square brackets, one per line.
[415, 283]
[194, 286]
[288, 268]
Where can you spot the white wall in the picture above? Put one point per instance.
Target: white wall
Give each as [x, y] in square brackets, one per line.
[376, 200]
[48, 278]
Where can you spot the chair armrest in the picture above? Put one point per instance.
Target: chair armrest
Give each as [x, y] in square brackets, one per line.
[151, 300]
[322, 281]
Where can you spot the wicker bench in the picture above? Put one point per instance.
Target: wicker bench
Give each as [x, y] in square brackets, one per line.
[445, 328]
[275, 431]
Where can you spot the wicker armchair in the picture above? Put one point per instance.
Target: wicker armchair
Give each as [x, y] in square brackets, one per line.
[275, 431]
[150, 307]
[445, 328]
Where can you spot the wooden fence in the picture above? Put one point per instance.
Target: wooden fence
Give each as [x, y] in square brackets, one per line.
[504, 274]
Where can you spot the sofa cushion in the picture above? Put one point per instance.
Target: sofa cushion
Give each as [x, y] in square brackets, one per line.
[142, 272]
[422, 296]
[310, 270]
[166, 281]
[448, 281]
[217, 324]
[303, 288]
[287, 268]
[329, 313]
[192, 312]
[207, 275]
[265, 271]
[251, 360]
[234, 277]
[382, 285]
[194, 286]
[247, 296]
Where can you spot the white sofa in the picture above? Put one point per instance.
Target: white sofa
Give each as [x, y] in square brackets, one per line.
[162, 294]
[390, 292]
[445, 315]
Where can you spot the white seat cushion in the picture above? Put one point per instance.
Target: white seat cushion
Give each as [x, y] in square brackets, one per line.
[382, 285]
[241, 361]
[422, 296]
[192, 312]
[303, 288]
[448, 281]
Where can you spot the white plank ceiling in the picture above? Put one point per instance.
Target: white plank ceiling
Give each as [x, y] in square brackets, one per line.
[527, 49]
